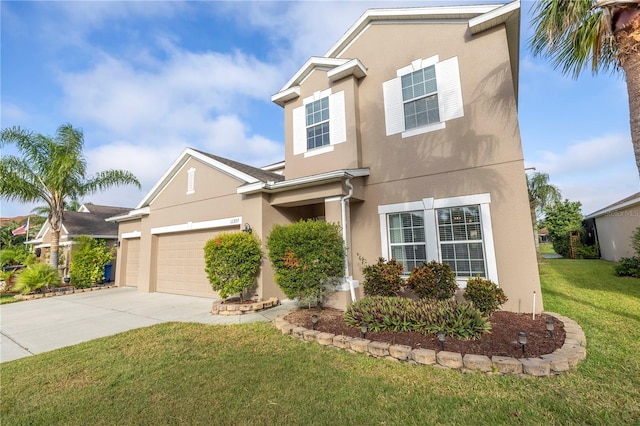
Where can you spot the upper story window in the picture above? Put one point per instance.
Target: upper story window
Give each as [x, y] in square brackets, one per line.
[420, 96]
[423, 97]
[317, 123]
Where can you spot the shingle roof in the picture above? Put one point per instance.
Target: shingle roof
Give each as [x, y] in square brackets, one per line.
[92, 222]
[262, 175]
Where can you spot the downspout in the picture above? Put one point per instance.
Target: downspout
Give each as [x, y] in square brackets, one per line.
[343, 205]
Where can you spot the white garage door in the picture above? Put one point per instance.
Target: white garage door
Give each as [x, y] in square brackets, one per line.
[132, 261]
[180, 264]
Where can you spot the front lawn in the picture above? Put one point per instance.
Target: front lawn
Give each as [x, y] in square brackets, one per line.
[251, 374]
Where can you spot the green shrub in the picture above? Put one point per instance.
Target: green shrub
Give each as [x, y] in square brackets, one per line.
[232, 261]
[628, 267]
[35, 277]
[307, 257]
[485, 295]
[635, 241]
[383, 278]
[382, 313]
[434, 280]
[459, 320]
[587, 252]
[89, 256]
[562, 219]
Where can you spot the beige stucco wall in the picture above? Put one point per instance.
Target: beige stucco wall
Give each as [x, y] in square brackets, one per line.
[479, 153]
[614, 232]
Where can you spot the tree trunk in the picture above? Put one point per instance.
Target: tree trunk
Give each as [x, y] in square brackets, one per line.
[534, 221]
[55, 222]
[628, 41]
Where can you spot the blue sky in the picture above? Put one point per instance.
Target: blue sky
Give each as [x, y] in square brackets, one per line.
[144, 80]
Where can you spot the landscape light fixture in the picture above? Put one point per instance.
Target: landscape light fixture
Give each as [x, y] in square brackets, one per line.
[522, 339]
[549, 324]
[364, 328]
[247, 228]
[441, 338]
[314, 321]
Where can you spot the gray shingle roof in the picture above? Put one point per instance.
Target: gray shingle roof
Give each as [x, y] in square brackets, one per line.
[93, 222]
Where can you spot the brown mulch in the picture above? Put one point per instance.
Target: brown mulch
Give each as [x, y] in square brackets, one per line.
[501, 341]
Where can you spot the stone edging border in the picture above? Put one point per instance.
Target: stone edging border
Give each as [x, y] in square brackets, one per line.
[561, 360]
[220, 308]
[63, 291]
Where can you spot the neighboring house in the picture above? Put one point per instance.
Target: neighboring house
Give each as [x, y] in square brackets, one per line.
[405, 132]
[89, 220]
[613, 226]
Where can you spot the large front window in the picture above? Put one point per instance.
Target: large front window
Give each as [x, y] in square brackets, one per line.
[461, 243]
[317, 114]
[407, 239]
[420, 97]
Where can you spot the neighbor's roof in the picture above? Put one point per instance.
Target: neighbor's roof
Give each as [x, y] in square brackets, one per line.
[625, 202]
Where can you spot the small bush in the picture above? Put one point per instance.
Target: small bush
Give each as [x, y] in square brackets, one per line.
[434, 280]
[307, 257]
[35, 277]
[485, 295]
[383, 278]
[459, 320]
[587, 252]
[628, 267]
[89, 256]
[232, 261]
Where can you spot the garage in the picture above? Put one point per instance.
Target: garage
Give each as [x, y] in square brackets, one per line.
[180, 264]
[132, 261]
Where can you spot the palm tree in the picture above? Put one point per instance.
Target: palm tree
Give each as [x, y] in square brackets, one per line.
[602, 34]
[541, 195]
[52, 170]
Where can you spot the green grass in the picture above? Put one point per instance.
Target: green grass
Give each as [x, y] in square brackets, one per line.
[251, 374]
[546, 248]
[8, 298]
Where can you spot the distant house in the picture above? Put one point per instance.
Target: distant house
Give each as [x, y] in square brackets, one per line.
[405, 133]
[89, 220]
[613, 226]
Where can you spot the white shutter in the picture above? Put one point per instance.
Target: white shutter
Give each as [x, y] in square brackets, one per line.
[393, 108]
[299, 131]
[337, 120]
[449, 90]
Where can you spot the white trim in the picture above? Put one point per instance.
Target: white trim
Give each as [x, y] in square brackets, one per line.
[424, 129]
[133, 214]
[317, 151]
[463, 200]
[492, 18]
[312, 63]
[191, 180]
[345, 284]
[614, 207]
[333, 199]
[353, 67]
[194, 226]
[417, 65]
[432, 241]
[285, 96]
[132, 234]
[303, 181]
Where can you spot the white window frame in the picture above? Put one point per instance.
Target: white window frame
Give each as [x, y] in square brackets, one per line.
[449, 92]
[318, 123]
[337, 123]
[429, 206]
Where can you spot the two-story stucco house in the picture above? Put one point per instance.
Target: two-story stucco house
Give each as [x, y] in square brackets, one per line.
[405, 132]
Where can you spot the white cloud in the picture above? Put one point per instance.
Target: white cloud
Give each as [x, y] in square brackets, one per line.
[12, 113]
[596, 172]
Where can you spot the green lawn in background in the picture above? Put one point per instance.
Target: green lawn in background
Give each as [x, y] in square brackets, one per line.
[251, 374]
[546, 248]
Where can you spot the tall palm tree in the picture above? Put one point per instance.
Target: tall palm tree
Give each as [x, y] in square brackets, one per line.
[541, 195]
[601, 34]
[52, 170]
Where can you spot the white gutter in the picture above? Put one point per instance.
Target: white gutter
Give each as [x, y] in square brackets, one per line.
[343, 204]
[284, 185]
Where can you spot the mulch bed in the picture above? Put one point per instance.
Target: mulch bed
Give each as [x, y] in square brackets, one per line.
[501, 341]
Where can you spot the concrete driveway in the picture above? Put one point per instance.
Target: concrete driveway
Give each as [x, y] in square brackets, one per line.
[35, 326]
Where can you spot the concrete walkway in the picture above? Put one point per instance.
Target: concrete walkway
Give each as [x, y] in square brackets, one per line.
[35, 326]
